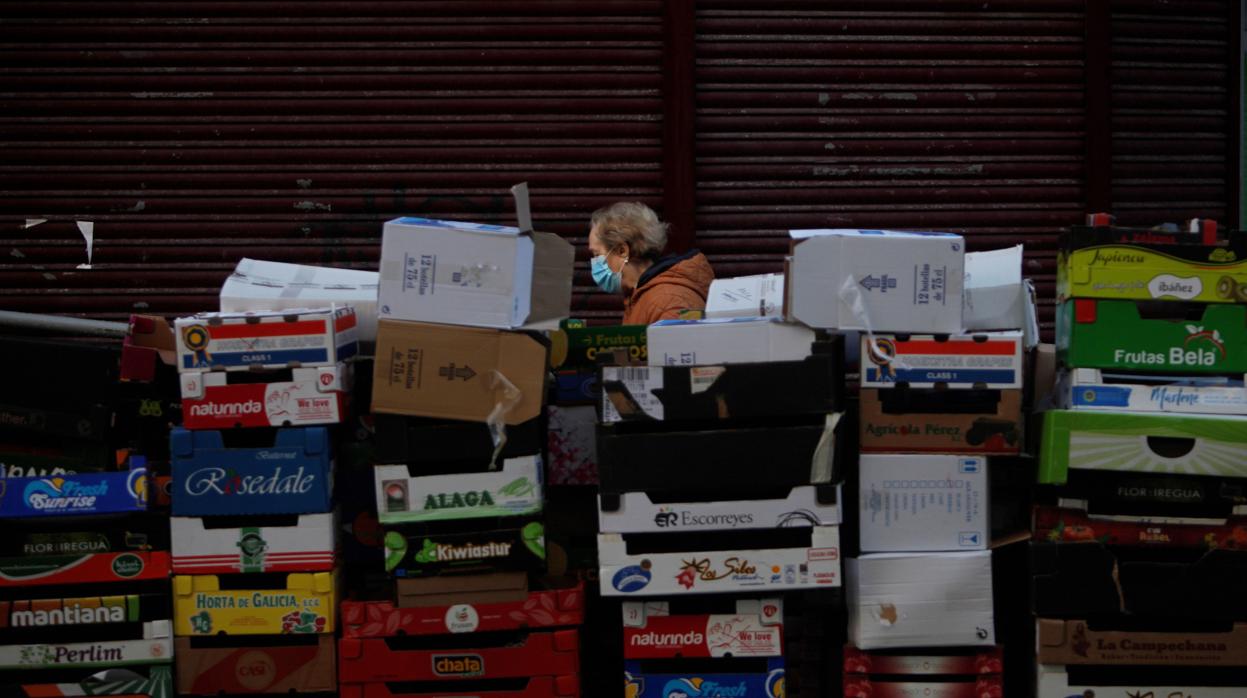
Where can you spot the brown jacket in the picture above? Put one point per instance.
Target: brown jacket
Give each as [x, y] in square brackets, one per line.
[673, 284]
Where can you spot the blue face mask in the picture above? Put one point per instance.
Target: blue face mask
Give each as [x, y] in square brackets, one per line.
[606, 279]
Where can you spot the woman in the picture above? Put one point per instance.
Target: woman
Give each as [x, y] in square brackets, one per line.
[627, 242]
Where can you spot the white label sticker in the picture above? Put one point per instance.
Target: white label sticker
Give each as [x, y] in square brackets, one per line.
[640, 383]
[700, 378]
[462, 618]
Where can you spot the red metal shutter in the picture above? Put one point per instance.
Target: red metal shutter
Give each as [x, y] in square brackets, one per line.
[195, 133]
[936, 115]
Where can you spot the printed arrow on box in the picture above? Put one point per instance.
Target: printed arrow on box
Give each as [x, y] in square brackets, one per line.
[451, 372]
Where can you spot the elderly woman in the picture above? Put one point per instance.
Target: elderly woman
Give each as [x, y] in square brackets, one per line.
[627, 242]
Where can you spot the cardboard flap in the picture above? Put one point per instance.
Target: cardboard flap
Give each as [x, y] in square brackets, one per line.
[553, 262]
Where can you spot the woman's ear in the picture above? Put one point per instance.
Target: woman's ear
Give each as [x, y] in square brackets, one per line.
[625, 252]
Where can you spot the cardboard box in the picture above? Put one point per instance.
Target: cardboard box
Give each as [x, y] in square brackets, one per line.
[487, 587]
[1114, 335]
[761, 295]
[864, 686]
[734, 391]
[767, 682]
[1177, 498]
[535, 653]
[280, 667]
[294, 476]
[1056, 682]
[717, 460]
[475, 274]
[24, 620]
[304, 543]
[727, 341]
[451, 445]
[806, 505]
[305, 337]
[652, 633]
[920, 600]
[151, 681]
[1076, 642]
[1092, 389]
[76, 494]
[89, 568]
[312, 396]
[901, 420]
[1141, 442]
[1065, 524]
[923, 503]
[876, 280]
[996, 297]
[561, 605]
[580, 347]
[153, 646]
[956, 663]
[573, 445]
[1136, 264]
[138, 532]
[306, 604]
[458, 373]
[257, 285]
[959, 361]
[414, 551]
[532, 687]
[513, 490]
[815, 564]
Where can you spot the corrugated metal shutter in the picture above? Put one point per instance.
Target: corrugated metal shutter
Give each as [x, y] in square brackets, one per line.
[195, 133]
[1174, 103]
[933, 114]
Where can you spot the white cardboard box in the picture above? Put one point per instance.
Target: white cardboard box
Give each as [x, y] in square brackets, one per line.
[312, 396]
[876, 280]
[726, 341]
[995, 297]
[512, 490]
[1091, 389]
[921, 503]
[709, 572]
[306, 544]
[475, 274]
[920, 600]
[260, 285]
[761, 295]
[637, 514]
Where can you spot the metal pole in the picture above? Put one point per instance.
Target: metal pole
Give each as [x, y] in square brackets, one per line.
[58, 324]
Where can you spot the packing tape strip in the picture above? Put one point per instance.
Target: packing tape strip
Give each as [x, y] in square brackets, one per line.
[851, 296]
[822, 463]
[497, 427]
[302, 277]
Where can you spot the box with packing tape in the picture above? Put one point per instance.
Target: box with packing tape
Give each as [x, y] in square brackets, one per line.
[1093, 389]
[891, 603]
[904, 673]
[876, 280]
[1168, 338]
[559, 602]
[1141, 442]
[463, 373]
[86, 550]
[514, 489]
[920, 503]
[1111, 681]
[209, 666]
[1081, 642]
[1198, 264]
[445, 445]
[1088, 579]
[77, 494]
[637, 512]
[732, 391]
[805, 451]
[515, 544]
[271, 604]
[755, 629]
[705, 563]
[936, 420]
[138, 681]
[501, 655]
[293, 476]
[284, 543]
[306, 337]
[760, 677]
[311, 396]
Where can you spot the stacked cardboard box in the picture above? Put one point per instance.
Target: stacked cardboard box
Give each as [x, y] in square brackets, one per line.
[459, 395]
[1139, 564]
[254, 527]
[84, 562]
[719, 469]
